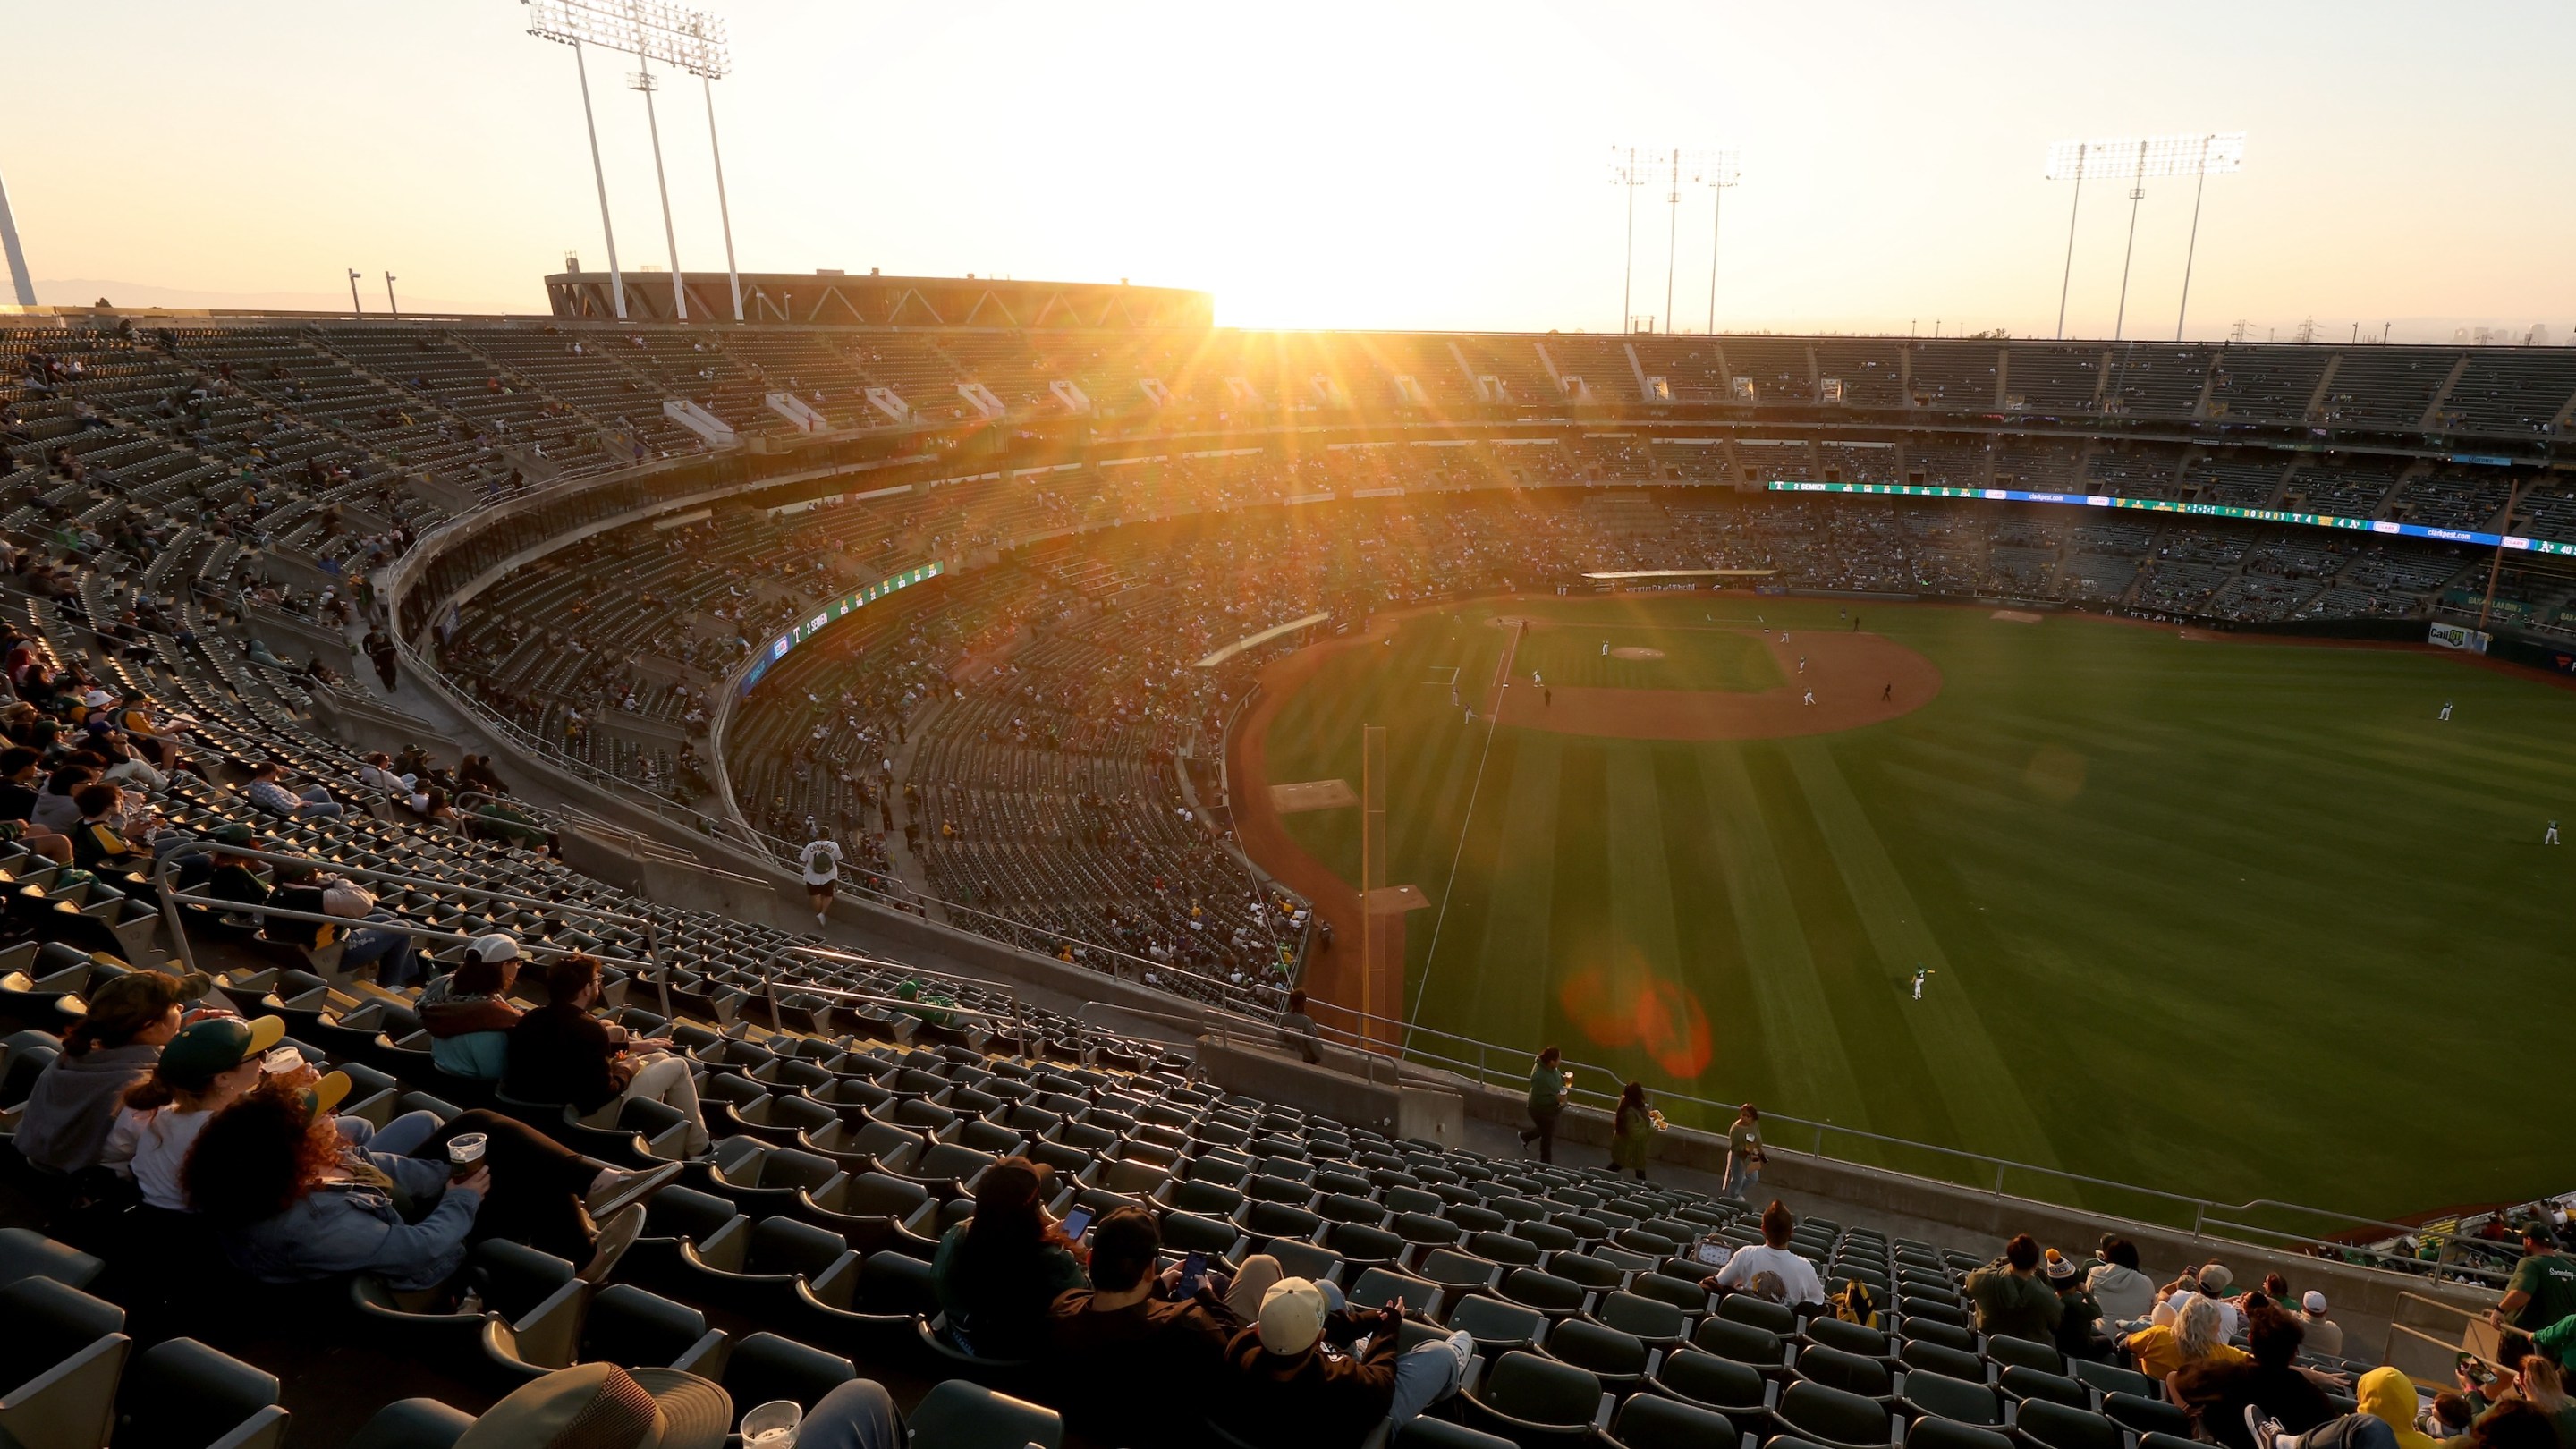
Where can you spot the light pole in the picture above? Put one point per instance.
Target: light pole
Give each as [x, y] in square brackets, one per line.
[354, 309]
[1627, 174]
[1673, 229]
[705, 55]
[2137, 193]
[571, 22]
[1720, 173]
[20, 286]
[2062, 164]
[642, 80]
[389, 295]
[2137, 159]
[2223, 153]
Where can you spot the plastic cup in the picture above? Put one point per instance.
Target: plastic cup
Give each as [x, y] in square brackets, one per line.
[279, 1060]
[772, 1425]
[464, 1154]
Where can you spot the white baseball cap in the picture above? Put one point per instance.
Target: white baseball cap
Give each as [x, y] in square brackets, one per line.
[493, 949]
[2314, 1302]
[1292, 1316]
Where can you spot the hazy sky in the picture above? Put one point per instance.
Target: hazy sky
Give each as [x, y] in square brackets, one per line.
[1399, 164]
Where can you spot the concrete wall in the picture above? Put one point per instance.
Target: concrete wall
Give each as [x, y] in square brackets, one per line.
[2366, 1300]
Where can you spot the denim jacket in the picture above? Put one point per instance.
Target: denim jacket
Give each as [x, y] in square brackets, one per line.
[352, 1227]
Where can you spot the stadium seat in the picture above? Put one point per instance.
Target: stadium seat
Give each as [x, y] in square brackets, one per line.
[1754, 1312]
[65, 1351]
[180, 1394]
[1930, 1357]
[1939, 1433]
[26, 1254]
[1835, 1419]
[1378, 1286]
[1535, 1402]
[1424, 1432]
[2028, 1384]
[1497, 1326]
[1659, 1324]
[1849, 1372]
[2008, 1351]
[1722, 1385]
[1618, 1360]
[956, 1414]
[1646, 1421]
[1925, 1394]
[2112, 1379]
[1741, 1342]
[2043, 1424]
[413, 1424]
[2141, 1416]
[764, 1366]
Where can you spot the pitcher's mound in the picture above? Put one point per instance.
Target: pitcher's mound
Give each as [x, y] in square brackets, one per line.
[1312, 795]
[1635, 651]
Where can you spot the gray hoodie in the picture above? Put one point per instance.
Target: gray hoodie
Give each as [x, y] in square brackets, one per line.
[75, 1102]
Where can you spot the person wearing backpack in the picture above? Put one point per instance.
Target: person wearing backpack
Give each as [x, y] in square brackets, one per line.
[822, 862]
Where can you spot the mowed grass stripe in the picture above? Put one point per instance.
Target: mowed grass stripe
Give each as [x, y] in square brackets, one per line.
[1712, 963]
[1985, 1099]
[1490, 978]
[1579, 928]
[1805, 1052]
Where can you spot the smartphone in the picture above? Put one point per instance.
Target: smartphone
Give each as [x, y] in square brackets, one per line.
[2477, 1372]
[1076, 1223]
[1193, 1273]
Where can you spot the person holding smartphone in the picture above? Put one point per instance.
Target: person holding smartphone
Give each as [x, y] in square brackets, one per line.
[1119, 1350]
[997, 1272]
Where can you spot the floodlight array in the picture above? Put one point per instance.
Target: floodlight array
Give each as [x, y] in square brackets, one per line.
[676, 35]
[2216, 153]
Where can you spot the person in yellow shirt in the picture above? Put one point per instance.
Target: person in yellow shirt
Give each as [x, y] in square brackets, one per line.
[2165, 1349]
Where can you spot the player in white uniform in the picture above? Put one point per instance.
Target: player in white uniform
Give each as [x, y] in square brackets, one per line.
[1811, 697]
[2552, 837]
[2446, 710]
[1919, 974]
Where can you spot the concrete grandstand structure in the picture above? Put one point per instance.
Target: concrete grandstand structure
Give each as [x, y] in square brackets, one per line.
[707, 591]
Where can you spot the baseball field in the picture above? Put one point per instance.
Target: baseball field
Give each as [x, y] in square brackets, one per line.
[2233, 917]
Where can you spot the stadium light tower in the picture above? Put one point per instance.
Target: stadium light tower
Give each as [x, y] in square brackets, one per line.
[354, 309]
[700, 44]
[1718, 173]
[649, 30]
[606, 24]
[2137, 159]
[1626, 173]
[20, 286]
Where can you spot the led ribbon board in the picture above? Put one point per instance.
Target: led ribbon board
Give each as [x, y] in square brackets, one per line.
[832, 613]
[2199, 510]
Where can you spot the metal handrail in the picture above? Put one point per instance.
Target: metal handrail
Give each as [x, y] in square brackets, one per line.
[769, 978]
[172, 898]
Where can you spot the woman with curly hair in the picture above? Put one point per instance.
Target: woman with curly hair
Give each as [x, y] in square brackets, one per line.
[293, 1202]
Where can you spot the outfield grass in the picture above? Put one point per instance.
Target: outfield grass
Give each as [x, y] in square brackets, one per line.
[2234, 918]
